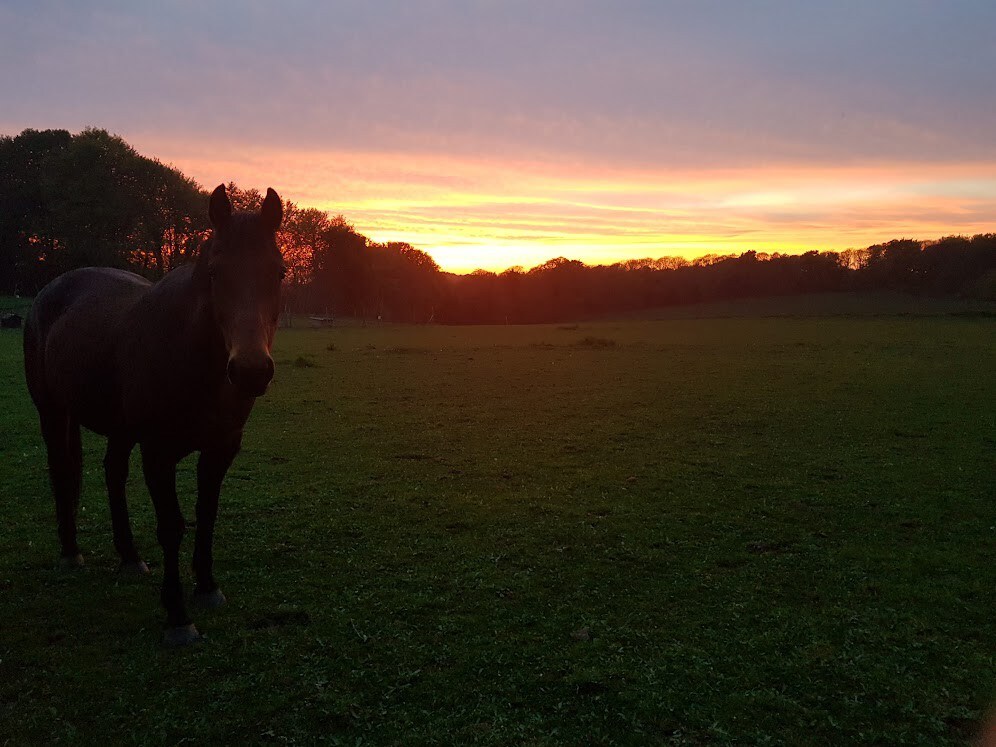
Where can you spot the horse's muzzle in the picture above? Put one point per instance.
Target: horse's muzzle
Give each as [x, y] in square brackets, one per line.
[251, 377]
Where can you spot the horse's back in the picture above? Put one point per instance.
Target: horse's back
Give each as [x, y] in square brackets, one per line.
[69, 341]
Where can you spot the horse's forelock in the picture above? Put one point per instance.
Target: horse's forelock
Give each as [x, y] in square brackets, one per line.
[243, 234]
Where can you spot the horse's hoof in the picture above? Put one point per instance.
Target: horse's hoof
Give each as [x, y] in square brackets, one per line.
[209, 600]
[71, 562]
[181, 635]
[133, 568]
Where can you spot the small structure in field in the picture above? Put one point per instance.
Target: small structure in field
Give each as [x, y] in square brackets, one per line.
[11, 321]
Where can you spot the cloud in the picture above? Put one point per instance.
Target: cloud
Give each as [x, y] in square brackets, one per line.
[627, 82]
[492, 132]
[472, 212]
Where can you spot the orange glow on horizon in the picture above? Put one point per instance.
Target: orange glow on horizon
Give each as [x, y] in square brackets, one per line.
[482, 213]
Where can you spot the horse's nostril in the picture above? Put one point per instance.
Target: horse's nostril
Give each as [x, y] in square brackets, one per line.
[252, 378]
[235, 371]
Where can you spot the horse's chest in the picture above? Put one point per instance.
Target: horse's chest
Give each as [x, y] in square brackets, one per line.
[218, 420]
[194, 421]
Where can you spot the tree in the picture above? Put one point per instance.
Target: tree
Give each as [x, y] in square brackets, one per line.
[26, 237]
[90, 199]
[301, 236]
[340, 268]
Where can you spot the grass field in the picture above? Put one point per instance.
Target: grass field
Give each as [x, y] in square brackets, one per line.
[689, 531]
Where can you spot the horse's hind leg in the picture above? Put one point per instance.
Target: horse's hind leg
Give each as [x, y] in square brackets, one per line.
[116, 477]
[65, 468]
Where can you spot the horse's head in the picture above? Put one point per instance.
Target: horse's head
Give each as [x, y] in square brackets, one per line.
[241, 272]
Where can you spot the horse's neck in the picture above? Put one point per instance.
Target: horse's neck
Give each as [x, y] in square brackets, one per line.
[187, 311]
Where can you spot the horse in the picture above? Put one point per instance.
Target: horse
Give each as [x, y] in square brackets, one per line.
[173, 367]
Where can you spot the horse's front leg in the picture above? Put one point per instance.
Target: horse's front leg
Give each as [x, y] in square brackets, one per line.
[211, 469]
[116, 476]
[159, 466]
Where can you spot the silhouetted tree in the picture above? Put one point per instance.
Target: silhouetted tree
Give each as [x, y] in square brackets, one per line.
[340, 268]
[90, 199]
[72, 200]
[28, 245]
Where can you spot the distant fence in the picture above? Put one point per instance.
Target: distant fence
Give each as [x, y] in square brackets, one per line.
[305, 320]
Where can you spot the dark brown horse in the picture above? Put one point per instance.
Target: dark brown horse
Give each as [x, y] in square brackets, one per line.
[174, 367]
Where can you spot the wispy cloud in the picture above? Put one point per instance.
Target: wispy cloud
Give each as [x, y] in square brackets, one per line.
[492, 213]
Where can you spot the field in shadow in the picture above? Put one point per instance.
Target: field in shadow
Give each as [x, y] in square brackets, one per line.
[686, 531]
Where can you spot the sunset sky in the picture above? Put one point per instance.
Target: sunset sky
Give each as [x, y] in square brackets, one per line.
[498, 133]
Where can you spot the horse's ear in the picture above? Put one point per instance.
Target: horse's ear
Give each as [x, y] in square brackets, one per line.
[272, 211]
[219, 208]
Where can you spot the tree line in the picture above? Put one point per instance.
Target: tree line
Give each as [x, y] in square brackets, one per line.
[90, 199]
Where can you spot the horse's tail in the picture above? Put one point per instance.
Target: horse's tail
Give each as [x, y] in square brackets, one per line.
[34, 360]
[47, 306]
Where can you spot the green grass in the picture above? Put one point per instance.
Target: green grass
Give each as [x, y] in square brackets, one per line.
[689, 531]
[14, 305]
[854, 304]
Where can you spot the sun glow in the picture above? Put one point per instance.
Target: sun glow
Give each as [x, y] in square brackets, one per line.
[471, 213]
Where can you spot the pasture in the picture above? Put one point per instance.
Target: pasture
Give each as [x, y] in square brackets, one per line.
[689, 531]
